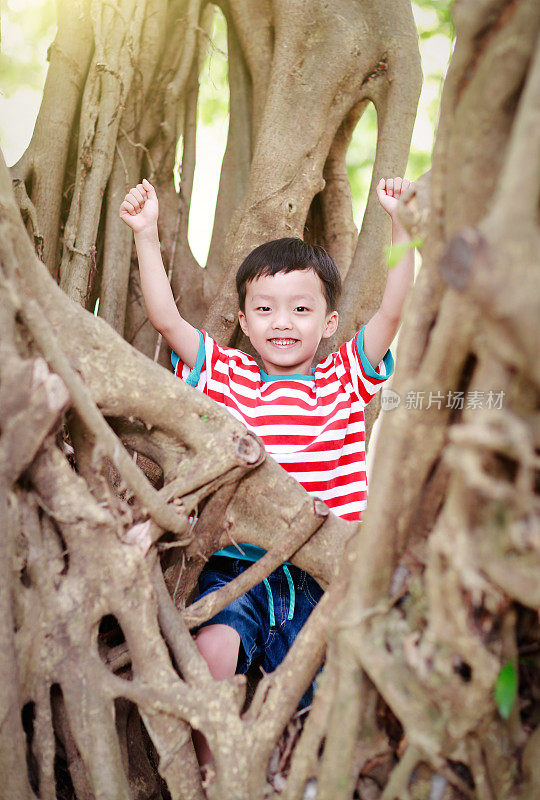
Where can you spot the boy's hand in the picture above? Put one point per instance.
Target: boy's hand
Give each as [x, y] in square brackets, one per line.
[140, 207]
[389, 191]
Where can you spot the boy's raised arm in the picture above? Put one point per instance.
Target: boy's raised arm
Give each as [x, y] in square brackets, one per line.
[382, 327]
[140, 211]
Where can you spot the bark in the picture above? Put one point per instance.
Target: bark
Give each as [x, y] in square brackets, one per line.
[117, 481]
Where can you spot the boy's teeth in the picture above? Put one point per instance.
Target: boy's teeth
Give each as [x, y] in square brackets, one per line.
[283, 341]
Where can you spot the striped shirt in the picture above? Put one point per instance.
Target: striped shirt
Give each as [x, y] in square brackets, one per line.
[312, 425]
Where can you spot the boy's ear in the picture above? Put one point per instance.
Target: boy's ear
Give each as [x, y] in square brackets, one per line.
[243, 322]
[332, 321]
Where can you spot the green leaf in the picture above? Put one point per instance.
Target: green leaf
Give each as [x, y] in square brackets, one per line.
[395, 252]
[506, 689]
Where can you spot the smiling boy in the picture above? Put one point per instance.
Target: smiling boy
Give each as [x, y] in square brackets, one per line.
[311, 419]
[285, 316]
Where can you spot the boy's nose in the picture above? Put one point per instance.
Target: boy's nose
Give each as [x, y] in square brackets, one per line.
[282, 322]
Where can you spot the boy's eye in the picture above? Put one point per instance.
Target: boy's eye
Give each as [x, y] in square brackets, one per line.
[302, 308]
[262, 308]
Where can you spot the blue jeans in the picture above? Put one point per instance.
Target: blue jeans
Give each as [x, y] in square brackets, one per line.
[269, 616]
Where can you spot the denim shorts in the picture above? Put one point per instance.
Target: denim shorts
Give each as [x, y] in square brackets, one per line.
[269, 616]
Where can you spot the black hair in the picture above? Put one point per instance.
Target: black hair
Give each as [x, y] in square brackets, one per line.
[286, 255]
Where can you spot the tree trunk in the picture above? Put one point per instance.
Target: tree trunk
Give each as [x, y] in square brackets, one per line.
[113, 500]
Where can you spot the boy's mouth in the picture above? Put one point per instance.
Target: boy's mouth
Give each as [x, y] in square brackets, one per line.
[283, 342]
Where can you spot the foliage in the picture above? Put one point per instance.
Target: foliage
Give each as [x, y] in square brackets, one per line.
[506, 689]
[27, 30]
[443, 22]
[395, 252]
[213, 78]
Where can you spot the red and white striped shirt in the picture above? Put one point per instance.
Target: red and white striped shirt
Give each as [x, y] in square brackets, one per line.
[313, 425]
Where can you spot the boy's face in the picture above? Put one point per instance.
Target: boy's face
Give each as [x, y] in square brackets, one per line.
[285, 319]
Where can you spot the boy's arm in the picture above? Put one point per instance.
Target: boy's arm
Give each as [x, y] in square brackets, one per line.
[140, 211]
[382, 327]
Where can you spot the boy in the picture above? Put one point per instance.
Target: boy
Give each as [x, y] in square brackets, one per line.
[310, 419]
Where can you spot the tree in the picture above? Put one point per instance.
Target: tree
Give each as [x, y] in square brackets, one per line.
[113, 499]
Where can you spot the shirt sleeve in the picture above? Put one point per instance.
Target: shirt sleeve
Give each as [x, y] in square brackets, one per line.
[356, 371]
[211, 373]
[193, 377]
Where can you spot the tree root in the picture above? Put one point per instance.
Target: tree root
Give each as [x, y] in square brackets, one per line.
[163, 515]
